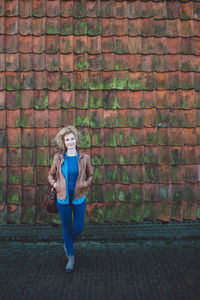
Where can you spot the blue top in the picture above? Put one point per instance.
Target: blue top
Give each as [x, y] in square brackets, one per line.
[70, 172]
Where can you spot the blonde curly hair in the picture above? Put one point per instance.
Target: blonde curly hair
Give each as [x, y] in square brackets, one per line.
[59, 138]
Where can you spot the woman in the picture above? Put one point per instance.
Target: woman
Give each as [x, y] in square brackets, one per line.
[67, 175]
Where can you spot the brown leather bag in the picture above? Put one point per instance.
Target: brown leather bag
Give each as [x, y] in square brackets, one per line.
[50, 200]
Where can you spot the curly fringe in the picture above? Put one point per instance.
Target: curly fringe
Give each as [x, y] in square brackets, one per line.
[59, 138]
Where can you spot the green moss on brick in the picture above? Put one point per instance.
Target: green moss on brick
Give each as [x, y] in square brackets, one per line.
[110, 194]
[135, 84]
[80, 27]
[82, 122]
[98, 176]
[97, 160]
[14, 179]
[86, 141]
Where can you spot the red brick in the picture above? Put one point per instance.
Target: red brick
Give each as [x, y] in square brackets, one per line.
[25, 26]
[190, 155]
[14, 156]
[28, 175]
[3, 43]
[94, 44]
[186, 10]
[39, 26]
[27, 118]
[125, 99]
[66, 8]
[67, 81]
[189, 136]
[172, 45]
[27, 80]
[28, 201]
[38, 44]
[52, 62]
[66, 44]
[176, 136]
[164, 174]
[12, 62]
[107, 44]
[161, 81]
[134, 44]
[25, 43]
[3, 157]
[42, 156]
[81, 99]
[196, 63]
[40, 80]
[134, 27]
[38, 62]
[93, 8]
[121, 44]
[54, 118]
[11, 25]
[2, 81]
[25, 8]
[52, 43]
[174, 99]
[120, 10]
[190, 173]
[11, 8]
[106, 8]
[12, 118]
[54, 100]
[150, 136]
[196, 28]
[123, 118]
[92, 62]
[28, 137]
[173, 28]
[137, 137]
[14, 137]
[2, 25]
[25, 62]
[147, 27]
[149, 192]
[38, 8]
[120, 26]
[196, 10]
[110, 156]
[11, 43]
[52, 8]
[53, 80]
[123, 136]
[150, 117]
[163, 155]
[66, 62]
[108, 61]
[173, 10]
[68, 99]
[133, 9]
[12, 81]
[160, 45]
[68, 117]
[186, 28]
[41, 118]
[147, 45]
[189, 118]
[14, 175]
[163, 135]
[137, 154]
[3, 118]
[51, 135]
[186, 45]
[159, 9]
[173, 62]
[80, 44]
[2, 99]
[41, 137]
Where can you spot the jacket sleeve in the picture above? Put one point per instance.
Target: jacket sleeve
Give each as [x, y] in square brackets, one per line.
[52, 172]
[89, 171]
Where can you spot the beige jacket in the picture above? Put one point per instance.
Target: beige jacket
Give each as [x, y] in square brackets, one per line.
[56, 175]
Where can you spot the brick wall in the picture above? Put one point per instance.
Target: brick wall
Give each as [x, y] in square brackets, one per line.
[127, 74]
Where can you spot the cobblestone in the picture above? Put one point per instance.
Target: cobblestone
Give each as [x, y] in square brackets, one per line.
[141, 269]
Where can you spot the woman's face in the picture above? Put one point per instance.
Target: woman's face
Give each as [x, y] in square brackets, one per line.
[70, 141]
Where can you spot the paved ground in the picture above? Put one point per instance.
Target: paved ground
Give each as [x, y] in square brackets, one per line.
[164, 270]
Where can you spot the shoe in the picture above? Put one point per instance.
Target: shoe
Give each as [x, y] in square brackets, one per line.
[65, 250]
[70, 264]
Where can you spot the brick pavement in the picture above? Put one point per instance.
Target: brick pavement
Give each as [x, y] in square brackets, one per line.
[143, 269]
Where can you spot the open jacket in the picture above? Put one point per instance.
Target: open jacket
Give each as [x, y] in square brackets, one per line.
[56, 175]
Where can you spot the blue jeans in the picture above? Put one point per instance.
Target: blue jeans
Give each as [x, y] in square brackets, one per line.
[71, 231]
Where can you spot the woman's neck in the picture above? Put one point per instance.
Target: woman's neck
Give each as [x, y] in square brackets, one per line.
[71, 152]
